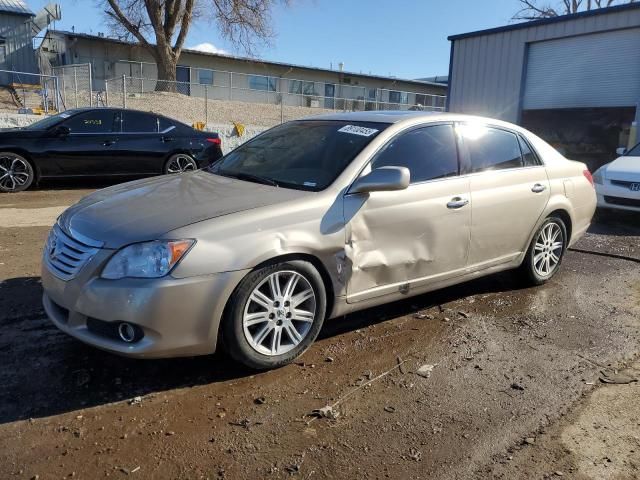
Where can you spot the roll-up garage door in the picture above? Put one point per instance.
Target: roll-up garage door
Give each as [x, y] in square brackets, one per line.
[594, 70]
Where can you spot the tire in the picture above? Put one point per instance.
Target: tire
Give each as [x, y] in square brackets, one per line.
[180, 163]
[16, 173]
[535, 269]
[259, 333]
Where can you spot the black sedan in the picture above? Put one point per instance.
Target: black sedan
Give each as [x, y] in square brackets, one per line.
[102, 142]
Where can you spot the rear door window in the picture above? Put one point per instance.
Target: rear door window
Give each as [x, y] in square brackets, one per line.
[93, 121]
[429, 153]
[165, 124]
[529, 158]
[139, 122]
[490, 148]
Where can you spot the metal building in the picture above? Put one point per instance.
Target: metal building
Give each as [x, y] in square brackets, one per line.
[574, 79]
[16, 44]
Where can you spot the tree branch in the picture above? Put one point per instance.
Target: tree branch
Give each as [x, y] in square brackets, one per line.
[121, 18]
[184, 26]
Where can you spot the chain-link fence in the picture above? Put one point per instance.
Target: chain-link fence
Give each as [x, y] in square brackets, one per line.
[74, 85]
[28, 92]
[210, 97]
[221, 97]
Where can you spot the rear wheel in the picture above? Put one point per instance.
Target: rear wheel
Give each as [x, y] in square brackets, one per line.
[180, 163]
[16, 173]
[275, 314]
[545, 252]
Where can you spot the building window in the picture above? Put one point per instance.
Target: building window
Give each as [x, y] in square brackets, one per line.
[398, 97]
[295, 87]
[371, 93]
[260, 82]
[205, 77]
[302, 88]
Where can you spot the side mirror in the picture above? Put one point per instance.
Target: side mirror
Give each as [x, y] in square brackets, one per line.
[61, 131]
[383, 179]
[621, 151]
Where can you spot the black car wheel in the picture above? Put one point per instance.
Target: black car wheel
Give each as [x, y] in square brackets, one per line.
[180, 163]
[16, 173]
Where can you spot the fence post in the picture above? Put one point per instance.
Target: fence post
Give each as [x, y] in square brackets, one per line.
[124, 91]
[64, 90]
[206, 105]
[230, 85]
[281, 100]
[75, 84]
[106, 93]
[91, 88]
[57, 87]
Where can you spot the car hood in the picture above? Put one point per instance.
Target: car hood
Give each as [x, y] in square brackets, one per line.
[148, 209]
[624, 168]
[8, 134]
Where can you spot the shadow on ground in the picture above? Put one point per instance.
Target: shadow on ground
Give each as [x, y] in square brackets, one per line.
[45, 372]
[616, 223]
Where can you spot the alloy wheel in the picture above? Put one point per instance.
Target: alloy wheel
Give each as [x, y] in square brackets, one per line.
[14, 173]
[547, 249]
[279, 313]
[180, 164]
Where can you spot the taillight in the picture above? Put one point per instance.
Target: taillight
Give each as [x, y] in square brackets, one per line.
[588, 176]
[215, 141]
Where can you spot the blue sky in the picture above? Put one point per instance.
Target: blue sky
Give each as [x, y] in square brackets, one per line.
[403, 38]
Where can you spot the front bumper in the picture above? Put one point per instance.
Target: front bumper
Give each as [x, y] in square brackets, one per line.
[617, 197]
[178, 317]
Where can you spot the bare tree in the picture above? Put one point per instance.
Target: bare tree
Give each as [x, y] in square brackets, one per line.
[534, 9]
[161, 26]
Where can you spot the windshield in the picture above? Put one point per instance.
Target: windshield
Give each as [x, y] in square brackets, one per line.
[305, 155]
[634, 152]
[48, 122]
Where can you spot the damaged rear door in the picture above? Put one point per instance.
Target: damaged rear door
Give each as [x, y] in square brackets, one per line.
[403, 239]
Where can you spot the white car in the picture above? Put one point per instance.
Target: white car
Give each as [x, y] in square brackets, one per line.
[618, 182]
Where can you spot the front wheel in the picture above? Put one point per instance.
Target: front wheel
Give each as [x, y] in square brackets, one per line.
[16, 173]
[275, 314]
[545, 252]
[180, 163]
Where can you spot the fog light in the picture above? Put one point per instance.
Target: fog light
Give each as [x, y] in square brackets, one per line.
[127, 332]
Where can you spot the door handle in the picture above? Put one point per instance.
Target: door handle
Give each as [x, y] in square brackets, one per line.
[457, 202]
[538, 187]
[108, 143]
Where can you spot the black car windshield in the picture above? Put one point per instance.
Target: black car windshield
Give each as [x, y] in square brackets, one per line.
[305, 154]
[49, 122]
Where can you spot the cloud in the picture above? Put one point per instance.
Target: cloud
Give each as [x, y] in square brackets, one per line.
[208, 48]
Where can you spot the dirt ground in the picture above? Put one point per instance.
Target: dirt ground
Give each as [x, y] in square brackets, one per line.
[515, 390]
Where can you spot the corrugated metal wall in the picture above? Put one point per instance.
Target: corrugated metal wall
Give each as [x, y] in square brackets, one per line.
[20, 54]
[487, 70]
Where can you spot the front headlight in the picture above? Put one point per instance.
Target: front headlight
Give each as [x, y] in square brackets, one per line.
[146, 260]
[598, 176]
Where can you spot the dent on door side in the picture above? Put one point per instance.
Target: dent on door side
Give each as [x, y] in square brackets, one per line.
[380, 259]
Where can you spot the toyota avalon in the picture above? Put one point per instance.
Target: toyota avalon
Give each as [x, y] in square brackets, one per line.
[308, 221]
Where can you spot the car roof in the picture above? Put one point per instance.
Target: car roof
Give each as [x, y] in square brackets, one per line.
[398, 116]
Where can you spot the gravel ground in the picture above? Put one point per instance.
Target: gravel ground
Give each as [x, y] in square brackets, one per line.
[514, 392]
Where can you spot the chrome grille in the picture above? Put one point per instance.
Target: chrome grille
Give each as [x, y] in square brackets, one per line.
[65, 256]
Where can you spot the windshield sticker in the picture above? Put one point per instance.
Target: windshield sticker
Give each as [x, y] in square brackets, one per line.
[355, 130]
[309, 184]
